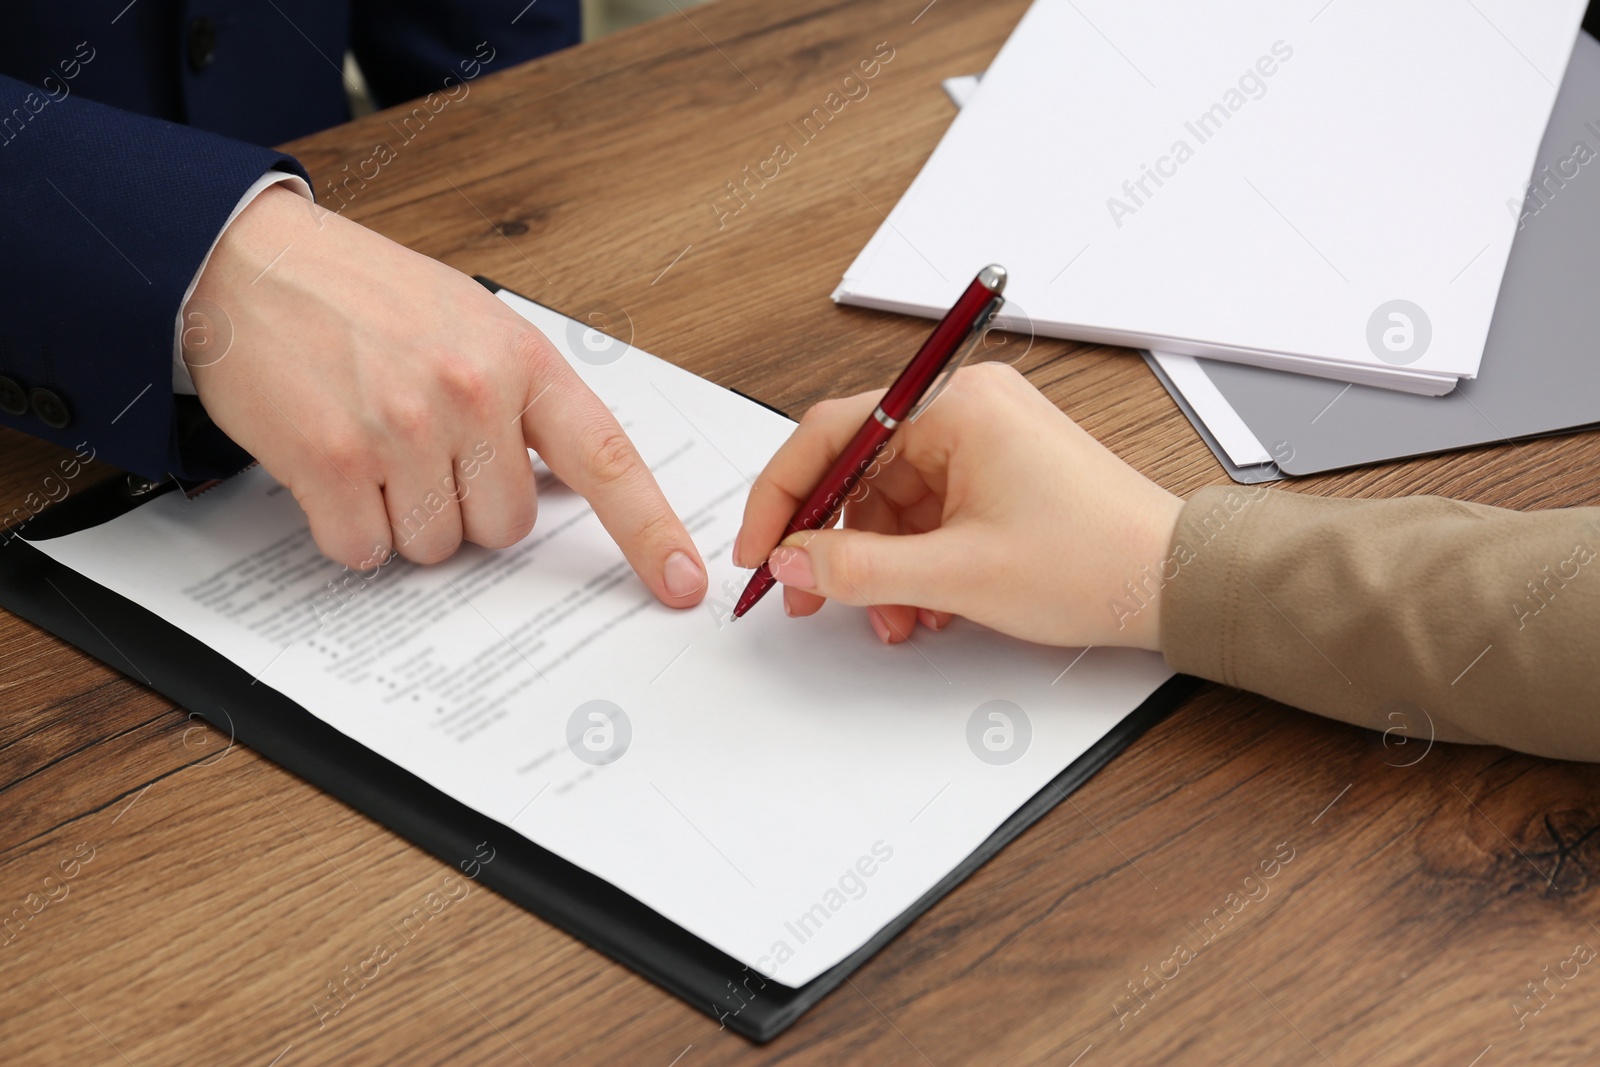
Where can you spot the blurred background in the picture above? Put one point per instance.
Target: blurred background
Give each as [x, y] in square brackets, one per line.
[600, 17]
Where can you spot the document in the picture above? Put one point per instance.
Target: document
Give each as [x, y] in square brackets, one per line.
[1538, 375]
[782, 788]
[1330, 189]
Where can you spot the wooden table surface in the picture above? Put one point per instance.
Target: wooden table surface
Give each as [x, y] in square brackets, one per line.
[214, 895]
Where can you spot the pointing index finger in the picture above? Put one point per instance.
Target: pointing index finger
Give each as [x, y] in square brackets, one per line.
[582, 442]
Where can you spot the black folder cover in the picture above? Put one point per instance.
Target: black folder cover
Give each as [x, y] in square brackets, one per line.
[199, 679]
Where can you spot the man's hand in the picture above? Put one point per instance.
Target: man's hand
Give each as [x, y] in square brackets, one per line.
[396, 398]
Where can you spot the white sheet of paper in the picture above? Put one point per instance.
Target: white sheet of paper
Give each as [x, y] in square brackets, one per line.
[1356, 154]
[1236, 439]
[782, 788]
[961, 89]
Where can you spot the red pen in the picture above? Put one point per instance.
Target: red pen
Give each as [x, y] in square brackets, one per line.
[918, 385]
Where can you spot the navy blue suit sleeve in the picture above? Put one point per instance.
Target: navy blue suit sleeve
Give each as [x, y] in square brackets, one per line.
[408, 47]
[108, 217]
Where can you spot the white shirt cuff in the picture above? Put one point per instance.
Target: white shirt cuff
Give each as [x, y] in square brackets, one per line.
[181, 381]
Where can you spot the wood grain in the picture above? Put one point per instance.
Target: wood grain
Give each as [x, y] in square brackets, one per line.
[222, 894]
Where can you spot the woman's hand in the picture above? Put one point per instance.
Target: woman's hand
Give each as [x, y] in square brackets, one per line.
[994, 506]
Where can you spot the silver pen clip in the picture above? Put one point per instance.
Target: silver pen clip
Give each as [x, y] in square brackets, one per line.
[979, 327]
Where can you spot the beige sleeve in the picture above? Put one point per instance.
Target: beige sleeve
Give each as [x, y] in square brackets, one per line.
[1486, 620]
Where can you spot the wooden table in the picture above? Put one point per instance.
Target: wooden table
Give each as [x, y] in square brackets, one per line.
[1426, 887]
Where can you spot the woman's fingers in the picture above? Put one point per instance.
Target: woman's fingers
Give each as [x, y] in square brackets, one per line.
[875, 569]
[879, 506]
[797, 603]
[795, 469]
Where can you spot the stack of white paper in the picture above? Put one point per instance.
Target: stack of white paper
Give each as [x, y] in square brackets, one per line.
[1330, 188]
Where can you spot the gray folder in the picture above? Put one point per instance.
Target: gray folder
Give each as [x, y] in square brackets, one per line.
[1541, 368]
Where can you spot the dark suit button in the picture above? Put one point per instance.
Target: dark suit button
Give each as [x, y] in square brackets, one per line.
[50, 408]
[202, 43]
[13, 400]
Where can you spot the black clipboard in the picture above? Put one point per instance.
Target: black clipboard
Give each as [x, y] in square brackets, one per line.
[190, 673]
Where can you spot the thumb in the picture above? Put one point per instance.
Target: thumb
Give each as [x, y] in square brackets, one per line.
[864, 568]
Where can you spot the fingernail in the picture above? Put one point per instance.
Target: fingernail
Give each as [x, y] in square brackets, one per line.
[792, 566]
[880, 625]
[788, 609]
[683, 576]
[927, 618]
[736, 547]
